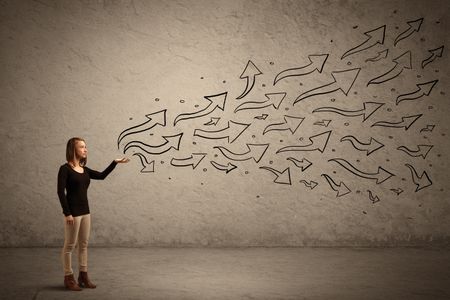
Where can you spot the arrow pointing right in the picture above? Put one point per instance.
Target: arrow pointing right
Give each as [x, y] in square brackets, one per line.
[423, 89]
[340, 188]
[316, 63]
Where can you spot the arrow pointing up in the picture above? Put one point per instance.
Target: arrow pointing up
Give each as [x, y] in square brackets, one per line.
[374, 37]
[216, 101]
[414, 26]
[402, 62]
[434, 54]
[250, 72]
[424, 89]
[316, 63]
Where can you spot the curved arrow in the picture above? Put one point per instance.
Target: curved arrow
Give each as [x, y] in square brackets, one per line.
[380, 176]
[311, 184]
[372, 146]
[213, 121]
[324, 123]
[340, 188]
[422, 150]
[316, 63]
[343, 81]
[398, 191]
[147, 167]
[429, 128]
[318, 142]
[228, 168]
[422, 181]
[402, 62]
[373, 198]
[193, 161]
[231, 132]
[283, 177]
[157, 118]
[290, 123]
[274, 99]
[406, 122]
[368, 109]
[216, 101]
[434, 54]
[250, 72]
[414, 26]
[255, 151]
[381, 55]
[424, 89]
[374, 37]
[302, 164]
[262, 117]
[171, 142]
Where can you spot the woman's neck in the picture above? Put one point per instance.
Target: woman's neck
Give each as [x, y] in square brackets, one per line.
[75, 163]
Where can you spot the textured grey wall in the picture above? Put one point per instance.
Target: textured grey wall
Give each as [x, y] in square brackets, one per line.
[291, 122]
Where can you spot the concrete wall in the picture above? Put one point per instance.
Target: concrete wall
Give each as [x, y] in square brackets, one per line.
[289, 123]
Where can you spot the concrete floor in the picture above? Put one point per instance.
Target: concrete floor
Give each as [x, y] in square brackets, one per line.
[242, 273]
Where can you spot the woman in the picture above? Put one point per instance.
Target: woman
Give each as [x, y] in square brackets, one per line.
[73, 181]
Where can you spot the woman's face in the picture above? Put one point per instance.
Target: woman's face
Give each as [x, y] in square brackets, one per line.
[80, 149]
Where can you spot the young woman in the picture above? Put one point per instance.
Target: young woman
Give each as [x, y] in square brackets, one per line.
[73, 181]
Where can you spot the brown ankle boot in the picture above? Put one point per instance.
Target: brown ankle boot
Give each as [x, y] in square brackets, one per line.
[70, 283]
[83, 281]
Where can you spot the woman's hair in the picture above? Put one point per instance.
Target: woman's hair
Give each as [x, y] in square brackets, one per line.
[71, 152]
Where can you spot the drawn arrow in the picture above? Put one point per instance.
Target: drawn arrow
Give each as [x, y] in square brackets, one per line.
[216, 101]
[262, 117]
[303, 164]
[373, 198]
[424, 89]
[316, 63]
[231, 132]
[374, 37]
[228, 168]
[171, 142]
[422, 150]
[318, 142]
[147, 167]
[283, 177]
[406, 122]
[343, 80]
[255, 151]
[422, 181]
[372, 146]
[311, 184]
[368, 109]
[380, 176]
[434, 54]
[340, 188]
[274, 99]
[250, 72]
[213, 121]
[414, 26]
[428, 128]
[157, 118]
[323, 123]
[402, 62]
[398, 191]
[290, 123]
[381, 55]
[193, 161]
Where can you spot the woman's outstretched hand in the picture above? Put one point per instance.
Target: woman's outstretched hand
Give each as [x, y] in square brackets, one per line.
[122, 160]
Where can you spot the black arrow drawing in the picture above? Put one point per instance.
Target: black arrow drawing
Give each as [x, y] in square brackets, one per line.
[282, 177]
[213, 121]
[250, 72]
[374, 37]
[170, 142]
[435, 53]
[340, 188]
[373, 198]
[381, 55]
[423, 89]
[215, 101]
[157, 118]
[370, 147]
[231, 132]
[262, 117]
[193, 160]
[273, 99]
[147, 167]
[227, 168]
[406, 122]
[255, 151]
[316, 63]
[368, 110]
[414, 26]
[311, 184]
[343, 81]
[380, 176]
[402, 62]
[428, 128]
[398, 191]
[422, 181]
[422, 150]
[290, 123]
[303, 164]
[324, 123]
[317, 142]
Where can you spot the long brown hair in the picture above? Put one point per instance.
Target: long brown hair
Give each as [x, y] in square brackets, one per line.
[70, 151]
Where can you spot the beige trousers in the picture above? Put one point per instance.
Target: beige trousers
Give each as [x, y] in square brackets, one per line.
[76, 234]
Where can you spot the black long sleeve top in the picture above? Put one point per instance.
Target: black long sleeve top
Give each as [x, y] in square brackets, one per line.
[73, 186]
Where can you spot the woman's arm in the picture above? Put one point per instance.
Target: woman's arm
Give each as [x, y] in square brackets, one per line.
[61, 190]
[102, 175]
